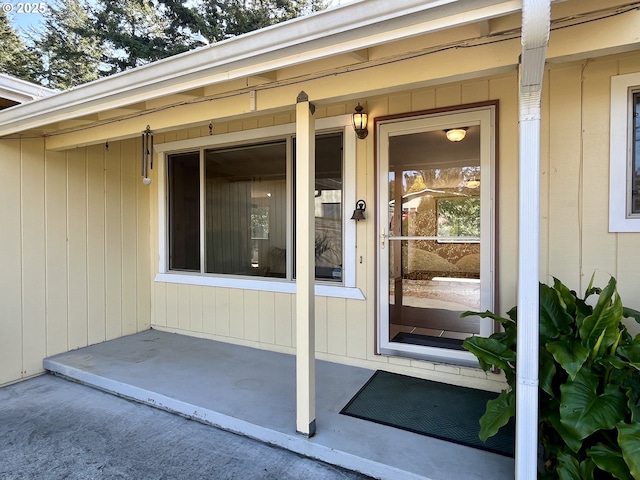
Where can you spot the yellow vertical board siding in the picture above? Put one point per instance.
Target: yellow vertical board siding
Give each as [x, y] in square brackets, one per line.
[223, 313]
[172, 305]
[266, 316]
[599, 249]
[251, 315]
[400, 103]
[113, 242]
[56, 269]
[236, 305]
[321, 324]
[160, 304]
[10, 255]
[505, 89]
[184, 306]
[130, 176]
[96, 248]
[448, 96]
[565, 133]
[145, 246]
[473, 92]
[545, 154]
[209, 310]
[195, 308]
[423, 100]
[283, 319]
[356, 329]
[34, 341]
[77, 247]
[336, 326]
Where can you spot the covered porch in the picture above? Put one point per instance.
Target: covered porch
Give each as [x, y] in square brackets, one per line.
[252, 392]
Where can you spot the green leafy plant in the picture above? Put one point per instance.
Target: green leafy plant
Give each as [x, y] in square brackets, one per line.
[589, 414]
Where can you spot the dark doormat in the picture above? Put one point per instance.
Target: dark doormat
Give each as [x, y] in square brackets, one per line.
[428, 341]
[429, 408]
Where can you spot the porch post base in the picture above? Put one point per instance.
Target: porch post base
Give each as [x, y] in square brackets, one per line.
[311, 432]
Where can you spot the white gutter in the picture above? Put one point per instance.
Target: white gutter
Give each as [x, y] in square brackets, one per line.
[536, 15]
[344, 29]
[20, 91]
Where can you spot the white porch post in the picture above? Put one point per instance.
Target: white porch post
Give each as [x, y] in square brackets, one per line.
[305, 268]
[535, 37]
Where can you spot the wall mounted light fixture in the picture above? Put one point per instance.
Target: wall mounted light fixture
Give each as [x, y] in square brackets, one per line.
[358, 213]
[147, 155]
[456, 134]
[359, 119]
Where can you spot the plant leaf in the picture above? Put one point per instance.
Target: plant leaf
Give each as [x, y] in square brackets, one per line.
[631, 313]
[633, 403]
[547, 372]
[570, 355]
[606, 317]
[485, 314]
[631, 352]
[554, 319]
[568, 467]
[583, 411]
[629, 441]
[566, 296]
[609, 460]
[569, 436]
[498, 412]
[490, 351]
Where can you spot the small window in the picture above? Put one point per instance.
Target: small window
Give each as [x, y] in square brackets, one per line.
[624, 154]
[634, 177]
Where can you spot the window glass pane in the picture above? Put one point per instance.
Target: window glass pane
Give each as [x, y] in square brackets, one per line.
[184, 211]
[635, 168]
[245, 210]
[328, 207]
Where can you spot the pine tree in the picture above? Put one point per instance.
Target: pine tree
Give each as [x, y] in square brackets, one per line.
[137, 32]
[70, 56]
[16, 58]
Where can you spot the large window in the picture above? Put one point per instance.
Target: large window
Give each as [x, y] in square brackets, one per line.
[248, 206]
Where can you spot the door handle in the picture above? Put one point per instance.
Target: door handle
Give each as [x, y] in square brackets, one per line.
[382, 238]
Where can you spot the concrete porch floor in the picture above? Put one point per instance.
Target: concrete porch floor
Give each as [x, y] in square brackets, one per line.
[252, 392]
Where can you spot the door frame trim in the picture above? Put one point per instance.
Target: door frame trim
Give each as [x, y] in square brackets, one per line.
[433, 353]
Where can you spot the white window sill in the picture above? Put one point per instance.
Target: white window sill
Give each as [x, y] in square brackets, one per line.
[322, 290]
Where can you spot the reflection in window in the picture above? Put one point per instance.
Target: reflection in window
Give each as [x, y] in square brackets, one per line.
[184, 211]
[245, 210]
[458, 217]
[328, 207]
[635, 167]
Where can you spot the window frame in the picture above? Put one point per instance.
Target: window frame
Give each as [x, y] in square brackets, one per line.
[344, 289]
[621, 154]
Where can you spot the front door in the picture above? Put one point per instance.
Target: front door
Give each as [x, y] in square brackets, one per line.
[435, 231]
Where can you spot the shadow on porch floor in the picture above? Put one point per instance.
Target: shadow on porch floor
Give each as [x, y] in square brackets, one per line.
[252, 392]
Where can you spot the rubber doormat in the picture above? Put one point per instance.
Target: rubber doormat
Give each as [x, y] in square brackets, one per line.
[438, 410]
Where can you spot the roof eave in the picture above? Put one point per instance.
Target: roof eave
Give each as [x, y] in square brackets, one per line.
[352, 27]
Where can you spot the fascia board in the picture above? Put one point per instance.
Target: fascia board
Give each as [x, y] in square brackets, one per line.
[18, 90]
[352, 27]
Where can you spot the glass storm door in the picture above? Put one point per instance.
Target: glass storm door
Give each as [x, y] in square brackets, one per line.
[435, 231]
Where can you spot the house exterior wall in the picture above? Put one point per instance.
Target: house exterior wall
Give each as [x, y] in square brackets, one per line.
[80, 231]
[74, 256]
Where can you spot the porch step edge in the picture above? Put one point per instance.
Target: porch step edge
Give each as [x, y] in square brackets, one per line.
[295, 443]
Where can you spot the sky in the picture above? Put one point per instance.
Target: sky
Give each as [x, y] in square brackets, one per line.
[23, 18]
[21, 14]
